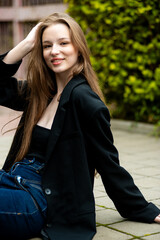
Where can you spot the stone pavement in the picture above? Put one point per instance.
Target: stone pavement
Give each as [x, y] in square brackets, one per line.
[140, 155]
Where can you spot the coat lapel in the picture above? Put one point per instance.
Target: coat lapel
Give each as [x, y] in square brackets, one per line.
[58, 122]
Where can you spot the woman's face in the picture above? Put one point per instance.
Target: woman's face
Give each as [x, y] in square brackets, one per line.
[58, 51]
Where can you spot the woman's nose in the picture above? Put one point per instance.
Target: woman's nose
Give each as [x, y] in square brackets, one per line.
[55, 49]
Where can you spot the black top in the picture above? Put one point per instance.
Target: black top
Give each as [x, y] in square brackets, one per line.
[39, 143]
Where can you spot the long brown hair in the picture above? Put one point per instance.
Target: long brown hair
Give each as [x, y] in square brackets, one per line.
[41, 81]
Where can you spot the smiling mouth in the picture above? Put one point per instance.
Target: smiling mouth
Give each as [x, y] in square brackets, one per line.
[57, 61]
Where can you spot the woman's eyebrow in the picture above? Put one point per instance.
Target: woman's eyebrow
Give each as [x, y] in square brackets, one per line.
[63, 38]
[59, 39]
[46, 41]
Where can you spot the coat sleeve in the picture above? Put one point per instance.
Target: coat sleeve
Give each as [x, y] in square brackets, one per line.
[94, 119]
[118, 183]
[12, 92]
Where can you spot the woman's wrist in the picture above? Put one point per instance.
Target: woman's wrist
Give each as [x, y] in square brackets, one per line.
[27, 46]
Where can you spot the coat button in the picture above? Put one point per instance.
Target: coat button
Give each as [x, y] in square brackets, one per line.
[48, 191]
[49, 225]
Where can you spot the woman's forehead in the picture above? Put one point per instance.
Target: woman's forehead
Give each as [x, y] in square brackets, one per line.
[56, 30]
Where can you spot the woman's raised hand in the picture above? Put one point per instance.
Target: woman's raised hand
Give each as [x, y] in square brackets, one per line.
[30, 39]
[23, 48]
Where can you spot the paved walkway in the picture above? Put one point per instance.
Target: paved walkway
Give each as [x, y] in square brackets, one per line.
[140, 155]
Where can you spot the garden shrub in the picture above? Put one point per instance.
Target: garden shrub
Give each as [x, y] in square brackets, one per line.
[124, 39]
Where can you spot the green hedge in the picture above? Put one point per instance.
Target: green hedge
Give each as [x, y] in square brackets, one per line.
[124, 39]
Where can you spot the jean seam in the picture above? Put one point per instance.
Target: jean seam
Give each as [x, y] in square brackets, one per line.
[1, 176]
[17, 213]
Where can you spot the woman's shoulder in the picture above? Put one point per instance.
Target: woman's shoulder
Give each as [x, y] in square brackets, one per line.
[86, 100]
[83, 92]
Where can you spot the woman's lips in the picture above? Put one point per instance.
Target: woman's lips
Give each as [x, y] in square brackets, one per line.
[57, 61]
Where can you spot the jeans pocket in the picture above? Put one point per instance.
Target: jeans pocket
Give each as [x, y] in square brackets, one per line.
[19, 180]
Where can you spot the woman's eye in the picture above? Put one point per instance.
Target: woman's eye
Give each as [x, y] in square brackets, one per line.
[63, 43]
[46, 46]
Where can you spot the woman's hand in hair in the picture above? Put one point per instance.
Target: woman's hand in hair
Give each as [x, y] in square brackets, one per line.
[23, 48]
[30, 39]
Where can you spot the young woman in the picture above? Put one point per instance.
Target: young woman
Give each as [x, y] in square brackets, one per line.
[46, 184]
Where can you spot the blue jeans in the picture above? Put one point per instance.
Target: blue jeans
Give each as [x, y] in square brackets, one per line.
[23, 205]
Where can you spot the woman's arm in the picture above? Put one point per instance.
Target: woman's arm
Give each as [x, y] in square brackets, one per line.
[10, 96]
[22, 49]
[103, 155]
[118, 183]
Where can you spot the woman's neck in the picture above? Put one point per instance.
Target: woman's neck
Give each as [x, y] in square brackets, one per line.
[61, 83]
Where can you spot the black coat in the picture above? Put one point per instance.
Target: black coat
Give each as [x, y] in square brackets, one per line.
[80, 142]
